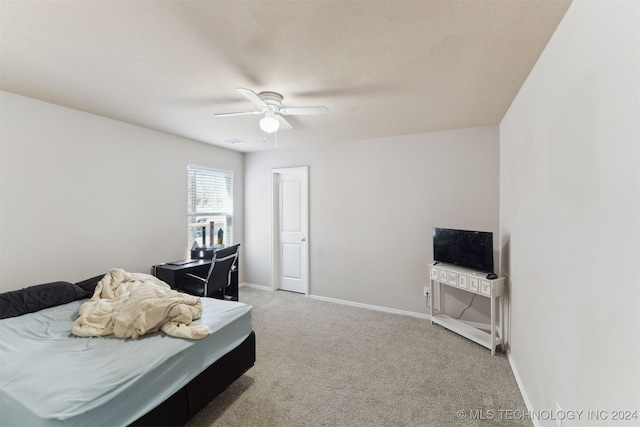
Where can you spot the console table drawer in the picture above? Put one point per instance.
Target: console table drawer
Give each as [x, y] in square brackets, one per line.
[469, 280]
[473, 284]
[453, 279]
[485, 287]
[443, 276]
[463, 281]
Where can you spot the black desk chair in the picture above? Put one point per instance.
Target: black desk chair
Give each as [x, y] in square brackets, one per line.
[218, 278]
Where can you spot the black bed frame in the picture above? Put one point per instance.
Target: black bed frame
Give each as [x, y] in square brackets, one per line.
[186, 402]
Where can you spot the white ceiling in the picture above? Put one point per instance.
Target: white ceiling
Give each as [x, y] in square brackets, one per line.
[383, 68]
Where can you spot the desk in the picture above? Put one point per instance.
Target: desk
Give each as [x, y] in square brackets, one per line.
[172, 274]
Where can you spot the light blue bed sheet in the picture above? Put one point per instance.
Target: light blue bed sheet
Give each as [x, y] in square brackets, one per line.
[51, 378]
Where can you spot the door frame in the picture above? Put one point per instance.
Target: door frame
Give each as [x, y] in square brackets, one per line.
[275, 225]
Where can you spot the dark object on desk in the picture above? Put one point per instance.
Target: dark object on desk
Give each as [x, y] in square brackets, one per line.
[217, 280]
[203, 252]
[182, 262]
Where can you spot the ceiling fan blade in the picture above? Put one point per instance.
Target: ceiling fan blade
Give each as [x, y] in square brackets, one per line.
[244, 113]
[253, 97]
[304, 111]
[284, 125]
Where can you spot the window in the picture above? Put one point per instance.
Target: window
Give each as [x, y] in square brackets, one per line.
[210, 199]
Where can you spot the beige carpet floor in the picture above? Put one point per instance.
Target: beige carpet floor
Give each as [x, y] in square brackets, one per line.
[325, 364]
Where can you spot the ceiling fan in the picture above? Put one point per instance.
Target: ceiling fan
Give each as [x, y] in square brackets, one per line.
[270, 104]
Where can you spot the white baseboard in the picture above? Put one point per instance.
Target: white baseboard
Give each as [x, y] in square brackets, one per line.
[254, 286]
[371, 307]
[527, 402]
[344, 302]
[483, 326]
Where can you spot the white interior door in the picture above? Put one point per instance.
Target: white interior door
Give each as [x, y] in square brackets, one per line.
[291, 258]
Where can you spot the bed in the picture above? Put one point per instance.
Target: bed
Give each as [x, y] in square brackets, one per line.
[52, 378]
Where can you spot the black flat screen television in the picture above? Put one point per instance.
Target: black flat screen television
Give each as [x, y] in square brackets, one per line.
[470, 249]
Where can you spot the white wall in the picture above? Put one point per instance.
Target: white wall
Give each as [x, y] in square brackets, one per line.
[373, 205]
[570, 215]
[81, 193]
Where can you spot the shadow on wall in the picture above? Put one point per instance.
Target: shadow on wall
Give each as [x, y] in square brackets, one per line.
[505, 269]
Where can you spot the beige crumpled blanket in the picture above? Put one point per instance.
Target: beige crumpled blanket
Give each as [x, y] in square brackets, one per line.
[129, 305]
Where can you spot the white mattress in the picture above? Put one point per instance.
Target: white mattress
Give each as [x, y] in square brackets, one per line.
[49, 377]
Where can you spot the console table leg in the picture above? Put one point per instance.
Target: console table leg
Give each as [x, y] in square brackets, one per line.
[493, 325]
[431, 305]
[501, 317]
[440, 299]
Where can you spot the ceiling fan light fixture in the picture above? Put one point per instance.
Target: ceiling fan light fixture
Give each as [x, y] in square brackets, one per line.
[270, 104]
[269, 124]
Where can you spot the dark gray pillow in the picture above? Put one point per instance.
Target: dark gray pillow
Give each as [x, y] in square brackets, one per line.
[35, 298]
[90, 284]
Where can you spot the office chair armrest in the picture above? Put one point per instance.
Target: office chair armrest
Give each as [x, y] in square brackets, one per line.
[192, 284]
[193, 276]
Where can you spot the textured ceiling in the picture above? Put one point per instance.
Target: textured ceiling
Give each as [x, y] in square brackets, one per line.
[383, 68]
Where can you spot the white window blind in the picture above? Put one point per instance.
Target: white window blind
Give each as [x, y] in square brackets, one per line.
[210, 198]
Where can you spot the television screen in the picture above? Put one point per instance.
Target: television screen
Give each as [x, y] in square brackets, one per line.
[470, 249]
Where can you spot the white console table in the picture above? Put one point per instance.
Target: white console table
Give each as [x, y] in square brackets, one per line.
[474, 282]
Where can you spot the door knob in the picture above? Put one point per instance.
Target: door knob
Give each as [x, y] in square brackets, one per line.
[304, 239]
